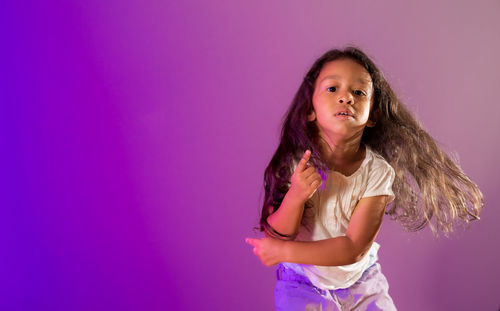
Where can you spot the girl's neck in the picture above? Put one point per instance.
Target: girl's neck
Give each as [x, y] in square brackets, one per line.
[344, 157]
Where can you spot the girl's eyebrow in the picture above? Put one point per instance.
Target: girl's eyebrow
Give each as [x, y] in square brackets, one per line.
[337, 77]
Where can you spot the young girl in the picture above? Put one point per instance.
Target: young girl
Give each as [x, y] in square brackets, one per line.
[348, 148]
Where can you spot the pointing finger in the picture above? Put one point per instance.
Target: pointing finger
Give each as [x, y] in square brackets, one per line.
[302, 163]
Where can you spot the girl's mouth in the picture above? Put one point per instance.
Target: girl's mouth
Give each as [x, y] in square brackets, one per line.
[344, 114]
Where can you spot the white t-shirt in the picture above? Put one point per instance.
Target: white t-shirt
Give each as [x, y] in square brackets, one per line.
[341, 194]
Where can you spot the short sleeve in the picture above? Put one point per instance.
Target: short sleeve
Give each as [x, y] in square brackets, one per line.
[380, 181]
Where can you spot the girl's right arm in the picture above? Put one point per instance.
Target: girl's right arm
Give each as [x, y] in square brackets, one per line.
[304, 182]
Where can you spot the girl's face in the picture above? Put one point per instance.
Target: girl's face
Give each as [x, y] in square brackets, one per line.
[342, 99]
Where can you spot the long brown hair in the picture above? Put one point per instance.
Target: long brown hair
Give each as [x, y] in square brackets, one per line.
[430, 188]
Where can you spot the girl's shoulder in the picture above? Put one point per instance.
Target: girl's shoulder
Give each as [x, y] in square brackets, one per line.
[376, 160]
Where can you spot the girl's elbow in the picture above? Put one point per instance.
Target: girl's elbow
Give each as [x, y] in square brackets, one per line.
[355, 252]
[358, 256]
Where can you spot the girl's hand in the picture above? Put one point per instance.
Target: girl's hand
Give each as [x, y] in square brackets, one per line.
[305, 179]
[270, 251]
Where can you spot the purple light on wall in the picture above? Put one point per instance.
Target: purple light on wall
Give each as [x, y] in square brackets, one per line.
[135, 138]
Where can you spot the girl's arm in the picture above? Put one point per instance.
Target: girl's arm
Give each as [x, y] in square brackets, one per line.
[361, 232]
[286, 219]
[363, 228]
[304, 182]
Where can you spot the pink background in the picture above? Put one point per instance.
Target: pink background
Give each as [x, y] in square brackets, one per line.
[135, 137]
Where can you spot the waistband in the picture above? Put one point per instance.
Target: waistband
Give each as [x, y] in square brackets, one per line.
[287, 274]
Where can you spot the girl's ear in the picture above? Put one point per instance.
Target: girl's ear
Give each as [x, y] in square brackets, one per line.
[312, 116]
[372, 120]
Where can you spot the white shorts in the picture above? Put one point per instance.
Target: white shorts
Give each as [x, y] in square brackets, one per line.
[294, 292]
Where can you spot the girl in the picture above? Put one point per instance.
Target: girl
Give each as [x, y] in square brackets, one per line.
[348, 148]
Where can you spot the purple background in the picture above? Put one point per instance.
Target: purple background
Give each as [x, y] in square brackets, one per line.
[135, 136]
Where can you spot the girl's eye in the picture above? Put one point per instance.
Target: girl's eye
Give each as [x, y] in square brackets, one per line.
[359, 92]
[332, 88]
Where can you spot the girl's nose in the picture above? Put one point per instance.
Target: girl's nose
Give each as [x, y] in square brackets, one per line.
[345, 99]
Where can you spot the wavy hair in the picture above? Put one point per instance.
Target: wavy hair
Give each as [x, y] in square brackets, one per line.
[430, 188]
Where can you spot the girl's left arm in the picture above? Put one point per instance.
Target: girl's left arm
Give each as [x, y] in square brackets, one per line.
[343, 250]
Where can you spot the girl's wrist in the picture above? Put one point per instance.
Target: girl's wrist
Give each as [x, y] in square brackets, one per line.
[294, 198]
[287, 251]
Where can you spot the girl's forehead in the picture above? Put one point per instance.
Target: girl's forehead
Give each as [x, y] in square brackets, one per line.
[346, 69]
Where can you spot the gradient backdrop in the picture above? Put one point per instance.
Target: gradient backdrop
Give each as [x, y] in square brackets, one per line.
[135, 135]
